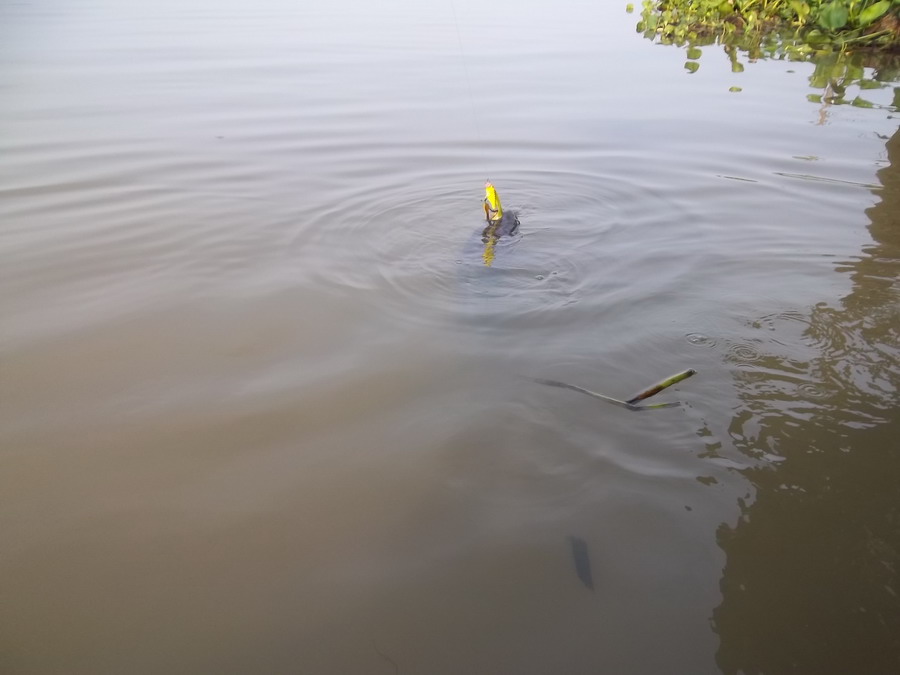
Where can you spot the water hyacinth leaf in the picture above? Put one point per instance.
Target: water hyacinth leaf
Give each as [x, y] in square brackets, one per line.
[833, 16]
[862, 103]
[872, 12]
[838, 71]
[691, 66]
[764, 27]
[735, 89]
[889, 72]
[629, 8]
[801, 9]
[870, 84]
[694, 53]
[827, 72]
[816, 38]
[814, 98]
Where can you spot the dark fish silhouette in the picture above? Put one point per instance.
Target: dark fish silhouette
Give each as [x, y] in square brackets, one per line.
[582, 561]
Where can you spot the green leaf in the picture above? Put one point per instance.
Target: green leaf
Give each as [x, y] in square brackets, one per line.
[854, 72]
[833, 16]
[691, 66]
[862, 103]
[801, 9]
[814, 98]
[872, 12]
[735, 89]
[870, 84]
[694, 53]
[629, 8]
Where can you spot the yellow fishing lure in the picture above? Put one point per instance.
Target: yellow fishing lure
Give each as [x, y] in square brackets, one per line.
[493, 211]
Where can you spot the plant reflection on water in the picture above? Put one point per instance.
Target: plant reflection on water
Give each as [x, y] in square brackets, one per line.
[863, 56]
[810, 582]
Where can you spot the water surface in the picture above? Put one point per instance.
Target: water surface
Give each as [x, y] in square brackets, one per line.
[265, 409]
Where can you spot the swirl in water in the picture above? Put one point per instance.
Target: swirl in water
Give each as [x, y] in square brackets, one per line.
[700, 340]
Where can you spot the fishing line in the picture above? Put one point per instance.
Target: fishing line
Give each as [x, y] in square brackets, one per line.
[462, 56]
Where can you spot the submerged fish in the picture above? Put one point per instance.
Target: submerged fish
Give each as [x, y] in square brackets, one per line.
[582, 561]
[493, 210]
[499, 224]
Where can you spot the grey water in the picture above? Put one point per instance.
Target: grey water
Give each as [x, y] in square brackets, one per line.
[265, 408]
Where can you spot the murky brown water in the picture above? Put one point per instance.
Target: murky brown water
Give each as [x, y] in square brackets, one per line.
[264, 409]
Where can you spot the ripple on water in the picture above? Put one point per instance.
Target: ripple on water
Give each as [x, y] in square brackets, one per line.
[814, 390]
[742, 353]
[418, 246]
[779, 320]
[701, 340]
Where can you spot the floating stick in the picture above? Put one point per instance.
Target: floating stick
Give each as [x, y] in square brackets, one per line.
[665, 384]
[608, 399]
[630, 403]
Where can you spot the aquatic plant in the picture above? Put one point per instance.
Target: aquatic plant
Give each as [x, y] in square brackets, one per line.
[798, 26]
[852, 42]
